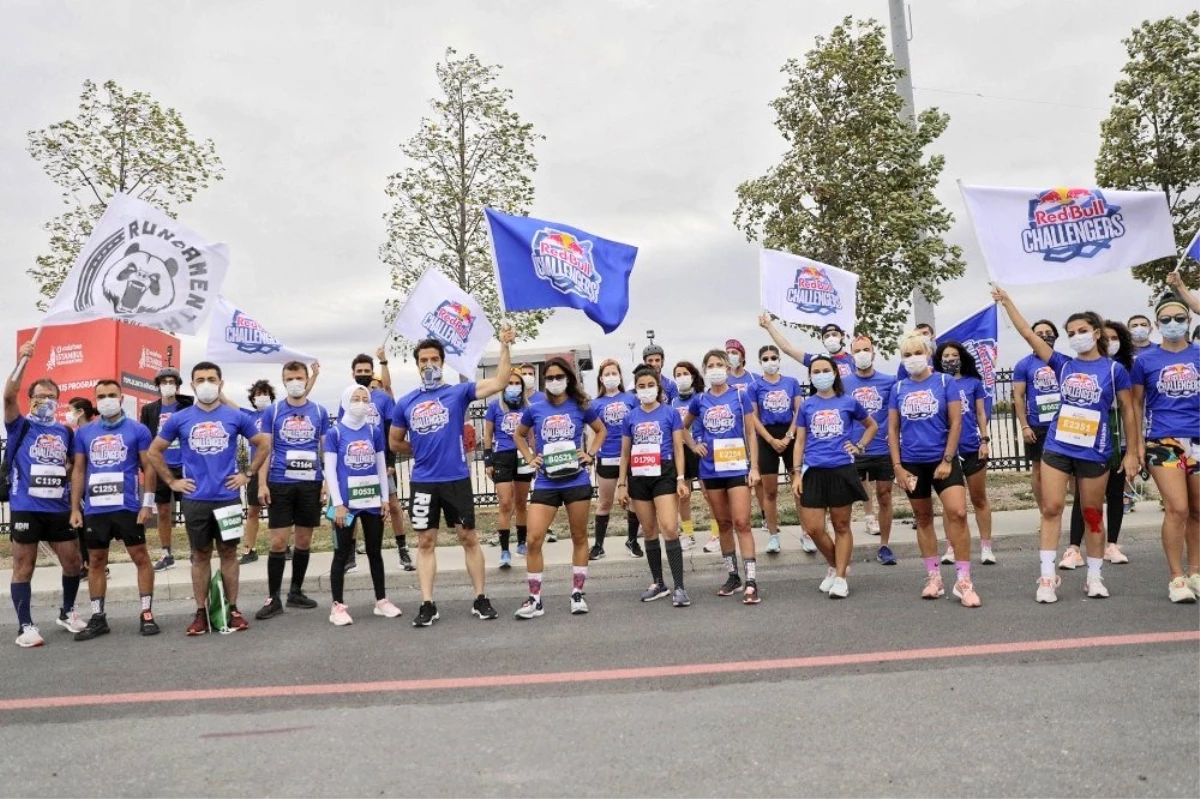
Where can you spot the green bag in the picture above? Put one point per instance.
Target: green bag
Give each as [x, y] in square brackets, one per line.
[218, 607]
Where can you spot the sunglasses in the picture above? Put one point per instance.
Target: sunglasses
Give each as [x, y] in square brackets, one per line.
[770, 359]
[1179, 317]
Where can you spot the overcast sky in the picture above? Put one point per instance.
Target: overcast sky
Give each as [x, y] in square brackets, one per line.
[653, 112]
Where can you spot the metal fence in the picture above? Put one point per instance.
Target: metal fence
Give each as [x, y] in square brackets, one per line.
[1007, 448]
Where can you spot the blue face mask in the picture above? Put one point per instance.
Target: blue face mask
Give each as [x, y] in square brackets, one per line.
[1174, 331]
[431, 377]
[513, 393]
[45, 411]
[823, 380]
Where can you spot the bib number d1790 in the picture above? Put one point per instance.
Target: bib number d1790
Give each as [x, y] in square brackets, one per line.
[1077, 426]
[729, 455]
[364, 493]
[229, 522]
[645, 460]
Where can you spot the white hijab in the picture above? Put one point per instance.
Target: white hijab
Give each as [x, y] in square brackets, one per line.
[347, 394]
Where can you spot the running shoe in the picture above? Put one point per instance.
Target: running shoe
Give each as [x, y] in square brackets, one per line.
[578, 604]
[551, 538]
[70, 621]
[713, 544]
[948, 558]
[492, 540]
[506, 560]
[732, 586]
[339, 615]
[596, 552]
[530, 609]
[986, 556]
[635, 549]
[680, 599]
[872, 525]
[522, 550]
[933, 586]
[1094, 586]
[237, 622]
[965, 591]
[287, 552]
[827, 583]
[885, 556]
[199, 625]
[807, 544]
[1194, 584]
[1179, 591]
[427, 615]
[385, 608]
[270, 609]
[30, 637]
[655, 591]
[406, 560]
[298, 599]
[248, 557]
[147, 625]
[1071, 559]
[1113, 554]
[773, 544]
[97, 626]
[840, 589]
[483, 609]
[687, 542]
[1047, 590]
[750, 595]
[167, 561]
[351, 564]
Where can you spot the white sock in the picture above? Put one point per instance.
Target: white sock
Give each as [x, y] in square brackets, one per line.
[1047, 556]
[1094, 565]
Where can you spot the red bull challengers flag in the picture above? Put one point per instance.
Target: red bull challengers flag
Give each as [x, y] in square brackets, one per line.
[978, 334]
[801, 290]
[544, 264]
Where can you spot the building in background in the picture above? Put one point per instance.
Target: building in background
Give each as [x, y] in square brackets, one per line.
[578, 355]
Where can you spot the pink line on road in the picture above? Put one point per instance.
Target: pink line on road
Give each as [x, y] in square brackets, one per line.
[603, 675]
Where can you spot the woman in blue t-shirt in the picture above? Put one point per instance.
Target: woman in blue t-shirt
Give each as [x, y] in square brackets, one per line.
[728, 467]
[611, 404]
[561, 459]
[776, 401]
[1035, 401]
[504, 467]
[953, 359]
[687, 382]
[825, 478]
[1079, 443]
[924, 426]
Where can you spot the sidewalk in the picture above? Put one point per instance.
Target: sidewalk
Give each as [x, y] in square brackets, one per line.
[1012, 530]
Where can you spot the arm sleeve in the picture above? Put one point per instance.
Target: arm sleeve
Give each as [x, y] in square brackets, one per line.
[527, 418]
[858, 412]
[893, 403]
[170, 431]
[331, 478]
[1121, 377]
[381, 468]
[1139, 373]
[590, 415]
[802, 418]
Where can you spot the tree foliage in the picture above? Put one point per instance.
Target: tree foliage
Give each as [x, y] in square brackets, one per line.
[472, 151]
[853, 189]
[119, 142]
[1151, 138]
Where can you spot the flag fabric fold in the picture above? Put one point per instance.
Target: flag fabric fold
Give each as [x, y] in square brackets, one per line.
[235, 337]
[978, 334]
[438, 308]
[804, 291]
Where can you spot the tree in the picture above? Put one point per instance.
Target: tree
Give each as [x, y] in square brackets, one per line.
[853, 189]
[1151, 138]
[119, 142]
[472, 151]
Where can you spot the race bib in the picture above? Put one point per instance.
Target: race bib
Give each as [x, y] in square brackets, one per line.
[610, 461]
[1047, 406]
[522, 466]
[560, 458]
[229, 522]
[729, 455]
[106, 489]
[364, 492]
[47, 482]
[645, 460]
[300, 465]
[1077, 426]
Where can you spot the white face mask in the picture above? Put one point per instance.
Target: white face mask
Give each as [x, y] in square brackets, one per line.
[735, 359]
[262, 402]
[611, 381]
[1140, 333]
[1113, 348]
[556, 387]
[529, 380]
[357, 411]
[684, 383]
[167, 391]
[295, 388]
[863, 359]
[915, 364]
[109, 407]
[716, 376]
[770, 367]
[1081, 342]
[73, 418]
[833, 343]
[207, 392]
[647, 395]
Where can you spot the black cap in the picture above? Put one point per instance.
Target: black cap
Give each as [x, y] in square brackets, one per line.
[832, 328]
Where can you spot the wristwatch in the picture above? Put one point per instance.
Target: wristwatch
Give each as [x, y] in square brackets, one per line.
[248, 474]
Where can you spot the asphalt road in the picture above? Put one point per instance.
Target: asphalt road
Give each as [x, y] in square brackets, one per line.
[548, 707]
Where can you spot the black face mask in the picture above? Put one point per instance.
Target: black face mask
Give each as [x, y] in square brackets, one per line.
[363, 380]
[1049, 339]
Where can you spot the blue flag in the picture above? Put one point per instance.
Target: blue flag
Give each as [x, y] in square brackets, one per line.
[1193, 250]
[978, 334]
[547, 265]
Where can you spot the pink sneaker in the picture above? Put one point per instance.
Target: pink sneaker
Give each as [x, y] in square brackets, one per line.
[1071, 559]
[965, 591]
[933, 586]
[385, 608]
[1113, 554]
[339, 615]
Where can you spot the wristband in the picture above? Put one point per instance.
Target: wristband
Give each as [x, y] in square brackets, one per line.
[487, 457]
[148, 499]
[986, 439]
[383, 363]
[680, 479]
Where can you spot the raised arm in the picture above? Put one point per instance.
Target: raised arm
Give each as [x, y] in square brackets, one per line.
[765, 322]
[1175, 281]
[495, 384]
[12, 387]
[1040, 348]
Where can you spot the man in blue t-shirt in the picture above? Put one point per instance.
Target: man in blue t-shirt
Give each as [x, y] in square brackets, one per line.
[109, 456]
[873, 390]
[654, 357]
[428, 425]
[154, 415]
[211, 485]
[37, 451]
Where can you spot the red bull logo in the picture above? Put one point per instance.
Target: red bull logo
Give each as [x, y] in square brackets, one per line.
[814, 292]
[918, 405]
[297, 429]
[870, 398]
[566, 263]
[984, 352]
[510, 422]
[719, 419]
[1179, 380]
[776, 401]
[826, 423]
[48, 448]
[1081, 388]
[558, 427]
[1045, 381]
[647, 433]
[614, 413]
[107, 450]
[360, 455]
[208, 438]
[249, 336]
[428, 417]
[1069, 223]
[450, 324]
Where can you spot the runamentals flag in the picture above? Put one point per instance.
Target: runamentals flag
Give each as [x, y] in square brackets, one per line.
[1050, 234]
[978, 334]
[550, 265]
[234, 337]
[801, 290]
[142, 266]
[437, 308]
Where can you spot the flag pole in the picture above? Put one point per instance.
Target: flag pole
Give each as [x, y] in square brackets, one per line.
[1182, 258]
[487, 225]
[20, 367]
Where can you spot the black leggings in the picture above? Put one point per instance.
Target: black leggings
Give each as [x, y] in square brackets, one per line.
[343, 550]
[1114, 504]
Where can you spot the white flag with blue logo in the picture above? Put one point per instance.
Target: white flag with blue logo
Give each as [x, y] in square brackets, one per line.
[437, 308]
[804, 291]
[234, 337]
[1064, 233]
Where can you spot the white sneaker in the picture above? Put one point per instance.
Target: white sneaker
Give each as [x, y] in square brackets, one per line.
[773, 545]
[30, 637]
[385, 608]
[339, 615]
[713, 545]
[530, 609]
[1047, 589]
[872, 525]
[949, 556]
[1194, 584]
[839, 589]
[986, 555]
[578, 603]
[687, 542]
[1094, 585]
[1179, 591]
[71, 622]
[807, 544]
[827, 583]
